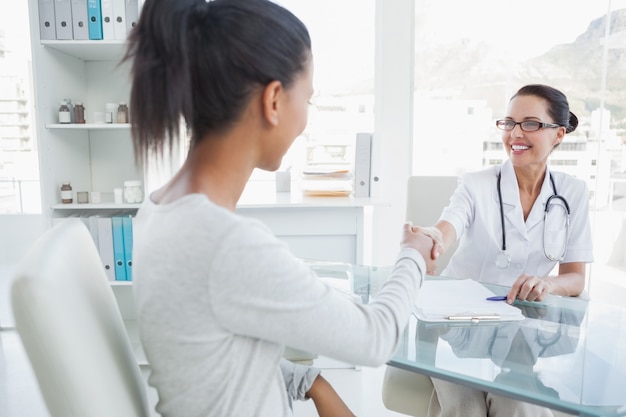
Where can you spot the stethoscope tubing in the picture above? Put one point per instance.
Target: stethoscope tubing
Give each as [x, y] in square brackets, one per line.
[555, 195]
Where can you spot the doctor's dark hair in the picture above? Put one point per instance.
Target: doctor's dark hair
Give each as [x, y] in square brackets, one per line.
[199, 62]
[558, 107]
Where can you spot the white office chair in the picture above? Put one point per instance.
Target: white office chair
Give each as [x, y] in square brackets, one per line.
[404, 391]
[72, 330]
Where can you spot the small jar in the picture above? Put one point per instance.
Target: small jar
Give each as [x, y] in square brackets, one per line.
[66, 193]
[65, 117]
[133, 193]
[122, 113]
[82, 197]
[79, 113]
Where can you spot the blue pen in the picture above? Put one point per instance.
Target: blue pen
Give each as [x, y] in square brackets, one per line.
[497, 298]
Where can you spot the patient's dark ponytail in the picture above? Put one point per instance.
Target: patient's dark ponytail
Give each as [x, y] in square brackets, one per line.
[198, 62]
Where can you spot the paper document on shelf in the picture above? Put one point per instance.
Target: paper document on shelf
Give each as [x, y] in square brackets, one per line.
[452, 300]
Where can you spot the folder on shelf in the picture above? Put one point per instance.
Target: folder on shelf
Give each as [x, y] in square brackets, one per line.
[118, 248]
[106, 8]
[94, 14]
[127, 229]
[131, 8]
[79, 19]
[119, 19]
[63, 19]
[105, 246]
[461, 300]
[47, 23]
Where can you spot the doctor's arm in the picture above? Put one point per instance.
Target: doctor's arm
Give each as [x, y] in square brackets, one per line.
[569, 282]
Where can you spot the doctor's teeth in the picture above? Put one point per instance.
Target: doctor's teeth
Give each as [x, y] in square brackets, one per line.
[519, 147]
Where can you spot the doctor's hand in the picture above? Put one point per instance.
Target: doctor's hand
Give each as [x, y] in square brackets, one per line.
[411, 238]
[437, 237]
[529, 288]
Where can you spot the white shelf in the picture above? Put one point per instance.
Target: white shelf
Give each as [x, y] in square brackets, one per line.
[89, 126]
[92, 206]
[110, 50]
[121, 283]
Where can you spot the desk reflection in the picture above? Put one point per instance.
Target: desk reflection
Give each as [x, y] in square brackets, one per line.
[513, 347]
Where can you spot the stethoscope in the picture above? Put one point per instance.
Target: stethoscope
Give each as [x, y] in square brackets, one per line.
[503, 259]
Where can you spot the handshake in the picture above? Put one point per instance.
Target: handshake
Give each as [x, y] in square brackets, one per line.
[428, 241]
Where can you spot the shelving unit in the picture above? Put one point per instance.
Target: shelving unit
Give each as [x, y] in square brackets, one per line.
[92, 157]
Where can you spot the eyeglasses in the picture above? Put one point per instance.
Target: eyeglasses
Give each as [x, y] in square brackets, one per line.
[527, 125]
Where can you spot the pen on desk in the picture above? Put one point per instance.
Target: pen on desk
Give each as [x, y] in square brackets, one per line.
[497, 298]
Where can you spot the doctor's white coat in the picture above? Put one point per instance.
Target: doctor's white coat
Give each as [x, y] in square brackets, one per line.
[474, 212]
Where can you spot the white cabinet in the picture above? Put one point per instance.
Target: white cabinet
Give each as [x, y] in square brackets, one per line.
[92, 157]
[321, 228]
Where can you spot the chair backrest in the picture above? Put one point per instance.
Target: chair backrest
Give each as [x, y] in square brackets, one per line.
[427, 196]
[72, 331]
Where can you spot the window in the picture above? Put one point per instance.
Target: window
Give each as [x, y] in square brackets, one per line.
[19, 172]
[343, 103]
[480, 62]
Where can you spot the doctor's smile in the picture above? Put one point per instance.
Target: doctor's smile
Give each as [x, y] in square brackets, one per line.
[519, 148]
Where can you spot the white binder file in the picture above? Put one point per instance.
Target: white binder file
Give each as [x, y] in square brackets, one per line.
[108, 32]
[63, 19]
[362, 164]
[47, 25]
[119, 19]
[132, 14]
[79, 19]
[105, 246]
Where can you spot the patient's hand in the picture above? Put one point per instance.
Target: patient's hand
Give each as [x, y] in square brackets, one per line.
[437, 237]
[420, 242]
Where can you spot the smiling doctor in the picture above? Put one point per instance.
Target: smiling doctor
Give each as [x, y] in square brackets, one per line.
[516, 222]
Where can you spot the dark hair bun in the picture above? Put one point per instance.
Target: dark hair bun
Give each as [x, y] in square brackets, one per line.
[573, 123]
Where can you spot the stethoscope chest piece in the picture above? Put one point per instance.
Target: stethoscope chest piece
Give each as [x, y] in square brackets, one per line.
[503, 260]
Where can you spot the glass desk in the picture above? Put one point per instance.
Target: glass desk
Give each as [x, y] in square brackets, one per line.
[568, 354]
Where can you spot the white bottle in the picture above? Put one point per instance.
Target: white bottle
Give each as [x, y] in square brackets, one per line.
[65, 117]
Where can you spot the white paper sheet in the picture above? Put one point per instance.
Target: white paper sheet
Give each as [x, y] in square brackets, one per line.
[451, 300]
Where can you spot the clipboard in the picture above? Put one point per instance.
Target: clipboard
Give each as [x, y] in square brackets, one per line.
[461, 301]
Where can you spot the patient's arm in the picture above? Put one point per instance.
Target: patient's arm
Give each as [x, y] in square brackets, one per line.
[327, 402]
